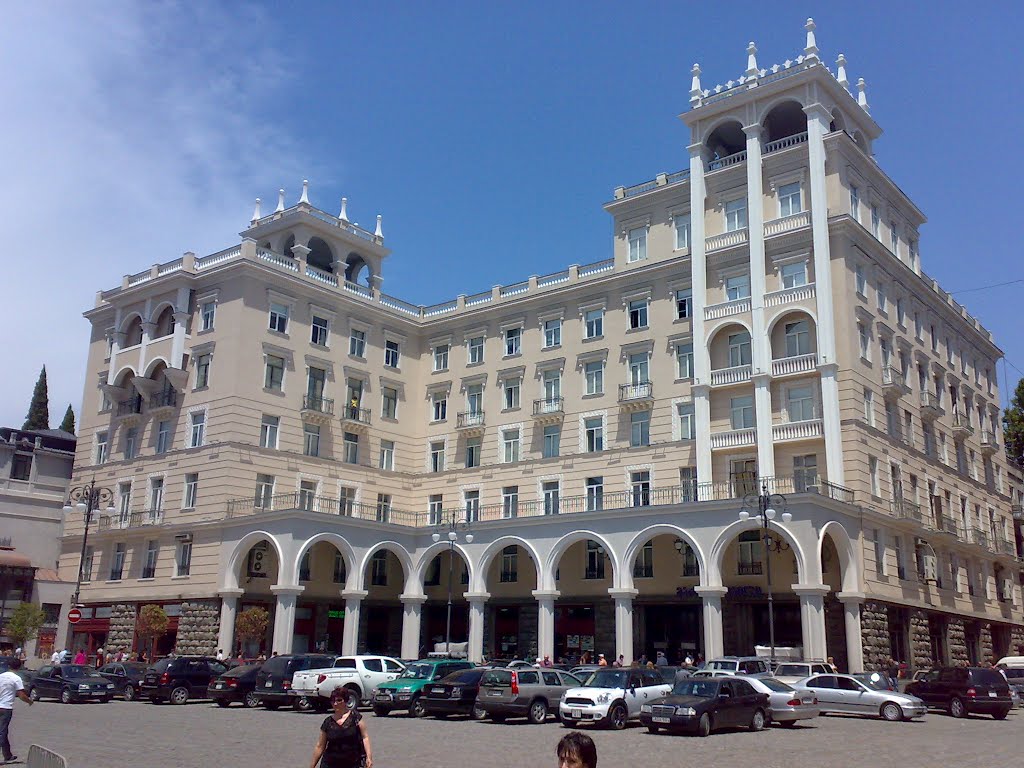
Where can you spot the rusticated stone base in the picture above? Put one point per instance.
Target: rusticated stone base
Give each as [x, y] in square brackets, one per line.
[920, 642]
[198, 627]
[121, 635]
[874, 630]
[987, 655]
[956, 643]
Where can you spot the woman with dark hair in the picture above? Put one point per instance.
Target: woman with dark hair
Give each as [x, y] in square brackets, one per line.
[576, 750]
[344, 741]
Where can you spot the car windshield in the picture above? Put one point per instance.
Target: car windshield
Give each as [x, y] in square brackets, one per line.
[775, 685]
[76, 670]
[161, 666]
[242, 670]
[792, 670]
[874, 680]
[607, 678]
[705, 689]
[417, 672]
[987, 677]
[727, 665]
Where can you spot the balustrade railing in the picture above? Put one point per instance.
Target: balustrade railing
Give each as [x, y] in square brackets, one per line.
[643, 390]
[796, 364]
[727, 161]
[727, 308]
[734, 375]
[733, 438]
[785, 143]
[356, 414]
[323, 405]
[725, 240]
[787, 223]
[166, 399]
[548, 405]
[906, 509]
[797, 430]
[130, 406]
[789, 295]
[470, 419]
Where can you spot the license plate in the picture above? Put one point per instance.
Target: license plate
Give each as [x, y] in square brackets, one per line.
[99, 693]
[992, 694]
[661, 719]
[808, 701]
[218, 686]
[383, 697]
[494, 693]
[577, 714]
[437, 690]
[269, 684]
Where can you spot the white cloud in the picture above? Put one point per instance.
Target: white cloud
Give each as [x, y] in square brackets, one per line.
[130, 133]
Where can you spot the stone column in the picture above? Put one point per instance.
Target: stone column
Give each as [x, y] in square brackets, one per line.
[854, 645]
[350, 630]
[148, 327]
[118, 337]
[812, 617]
[714, 642]
[623, 622]
[228, 614]
[284, 617]
[698, 271]
[546, 621]
[763, 424]
[412, 605]
[477, 604]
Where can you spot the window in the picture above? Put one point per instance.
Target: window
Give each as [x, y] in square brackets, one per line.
[805, 472]
[637, 244]
[471, 501]
[441, 357]
[901, 312]
[639, 369]
[748, 558]
[274, 376]
[475, 398]
[873, 472]
[878, 538]
[163, 437]
[739, 349]
[131, 439]
[881, 296]
[278, 318]
[191, 494]
[117, 562]
[208, 311]
[800, 403]
[638, 313]
[183, 557]
[338, 573]
[392, 354]
[202, 371]
[439, 407]
[682, 225]
[87, 563]
[124, 494]
[798, 338]
[311, 439]
[357, 343]
[687, 426]
[379, 568]
[350, 454]
[908, 428]
[102, 447]
[595, 493]
[437, 457]
[156, 494]
[552, 386]
[789, 199]
[476, 350]
[594, 323]
[854, 202]
[510, 564]
[643, 566]
[737, 287]
[389, 402]
[684, 303]
[934, 338]
[594, 374]
[197, 431]
[794, 274]
[594, 428]
[595, 561]
[876, 221]
[552, 332]
[549, 488]
[865, 341]
[640, 488]
[264, 491]
[640, 428]
[912, 254]
[510, 445]
[513, 341]
[319, 330]
[307, 494]
[149, 568]
[510, 501]
[741, 411]
[684, 361]
[736, 214]
[901, 561]
[861, 280]
[552, 440]
[869, 407]
[435, 507]
[383, 507]
[387, 454]
[511, 387]
[473, 452]
[268, 431]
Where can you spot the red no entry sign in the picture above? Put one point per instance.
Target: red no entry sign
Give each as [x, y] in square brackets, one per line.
[74, 616]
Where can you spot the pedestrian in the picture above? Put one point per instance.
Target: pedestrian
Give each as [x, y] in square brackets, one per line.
[893, 671]
[650, 665]
[538, 663]
[547, 661]
[344, 740]
[699, 662]
[119, 656]
[620, 662]
[662, 660]
[643, 659]
[274, 655]
[11, 687]
[601, 660]
[832, 663]
[80, 657]
[688, 661]
[55, 657]
[576, 750]
[220, 654]
[99, 657]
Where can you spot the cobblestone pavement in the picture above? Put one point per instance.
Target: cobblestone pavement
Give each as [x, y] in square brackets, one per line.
[198, 735]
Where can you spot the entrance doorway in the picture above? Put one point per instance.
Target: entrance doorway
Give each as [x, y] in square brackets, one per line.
[675, 629]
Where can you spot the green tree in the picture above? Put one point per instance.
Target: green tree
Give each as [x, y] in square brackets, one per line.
[68, 425]
[24, 623]
[251, 624]
[39, 410]
[152, 624]
[1013, 425]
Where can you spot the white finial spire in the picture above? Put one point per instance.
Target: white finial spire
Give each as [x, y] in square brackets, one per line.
[344, 210]
[256, 215]
[811, 49]
[751, 60]
[862, 95]
[305, 192]
[379, 232]
[696, 94]
[280, 201]
[841, 71]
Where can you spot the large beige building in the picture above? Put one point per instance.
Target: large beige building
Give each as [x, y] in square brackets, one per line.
[280, 432]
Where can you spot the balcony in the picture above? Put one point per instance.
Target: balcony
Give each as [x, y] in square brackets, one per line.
[894, 385]
[989, 442]
[318, 410]
[470, 422]
[787, 224]
[162, 404]
[785, 143]
[961, 426]
[733, 438]
[724, 377]
[549, 410]
[790, 366]
[132, 520]
[797, 430]
[947, 525]
[1006, 547]
[728, 161]
[749, 569]
[356, 418]
[980, 538]
[727, 309]
[726, 240]
[130, 410]
[636, 397]
[904, 509]
[930, 406]
[790, 295]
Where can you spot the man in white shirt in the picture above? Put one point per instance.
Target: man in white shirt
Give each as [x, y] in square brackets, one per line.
[220, 654]
[11, 687]
[55, 657]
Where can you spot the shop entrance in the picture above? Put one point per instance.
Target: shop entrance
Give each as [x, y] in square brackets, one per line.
[675, 629]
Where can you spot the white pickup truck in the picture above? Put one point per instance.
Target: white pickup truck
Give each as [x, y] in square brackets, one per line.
[361, 674]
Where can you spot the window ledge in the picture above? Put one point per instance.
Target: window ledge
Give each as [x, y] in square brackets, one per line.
[360, 358]
[552, 347]
[113, 581]
[147, 578]
[278, 334]
[593, 338]
[277, 392]
[182, 576]
[513, 355]
[440, 370]
[593, 395]
[204, 332]
[638, 329]
[201, 389]
[475, 365]
[324, 347]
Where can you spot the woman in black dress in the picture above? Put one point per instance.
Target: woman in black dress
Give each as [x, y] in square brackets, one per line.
[344, 741]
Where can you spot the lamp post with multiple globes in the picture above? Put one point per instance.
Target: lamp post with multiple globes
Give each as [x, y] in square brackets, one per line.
[767, 506]
[451, 530]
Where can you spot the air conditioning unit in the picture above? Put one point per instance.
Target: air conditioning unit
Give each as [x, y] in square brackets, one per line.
[184, 538]
[1007, 590]
[930, 568]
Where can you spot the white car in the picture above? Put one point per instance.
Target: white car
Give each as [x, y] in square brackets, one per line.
[788, 704]
[612, 696]
[360, 674]
[791, 671]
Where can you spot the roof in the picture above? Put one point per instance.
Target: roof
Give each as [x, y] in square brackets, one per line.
[12, 559]
[48, 574]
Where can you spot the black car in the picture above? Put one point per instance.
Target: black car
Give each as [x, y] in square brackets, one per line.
[701, 705]
[274, 679]
[180, 678]
[455, 694]
[237, 684]
[70, 683]
[965, 691]
[126, 676]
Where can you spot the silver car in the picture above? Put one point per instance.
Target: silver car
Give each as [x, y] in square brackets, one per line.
[530, 693]
[788, 704]
[847, 694]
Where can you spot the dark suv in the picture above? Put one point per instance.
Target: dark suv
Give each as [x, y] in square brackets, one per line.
[274, 680]
[964, 691]
[180, 678]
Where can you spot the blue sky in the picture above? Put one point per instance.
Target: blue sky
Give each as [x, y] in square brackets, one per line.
[488, 135]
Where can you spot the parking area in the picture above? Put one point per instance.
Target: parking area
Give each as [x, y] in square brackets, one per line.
[198, 735]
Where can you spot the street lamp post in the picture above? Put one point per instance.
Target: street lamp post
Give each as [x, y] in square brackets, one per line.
[87, 499]
[769, 505]
[451, 528]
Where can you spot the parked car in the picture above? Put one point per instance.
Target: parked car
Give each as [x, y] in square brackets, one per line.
[965, 691]
[70, 683]
[877, 680]
[790, 671]
[611, 697]
[701, 705]
[788, 705]
[406, 690]
[237, 684]
[27, 675]
[1015, 678]
[274, 679]
[127, 677]
[739, 665]
[180, 678]
[583, 671]
[529, 693]
[845, 693]
[455, 694]
[359, 674]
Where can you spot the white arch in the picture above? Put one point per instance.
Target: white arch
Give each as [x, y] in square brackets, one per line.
[492, 551]
[394, 548]
[730, 532]
[778, 100]
[158, 310]
[782, 313]
[715, 329]
[121, 372]
[414, 583]
[849, 564]
[649, 533]
[567, 541]
[128, 319]
[339, 542]
[718, 123]
[230, 580]
[152, 364]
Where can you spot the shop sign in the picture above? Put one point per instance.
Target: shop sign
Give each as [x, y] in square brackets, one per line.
[336, 614]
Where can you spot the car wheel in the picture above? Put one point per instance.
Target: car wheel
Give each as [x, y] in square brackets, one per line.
[251, 700]
[65, 697]
[1001, 714]
[304, 704]
[179, 695]
[271, 705]
[892, 712]
[757, 721]
[357, 696]
[956, 707]
[478, 712]
[128, 692]
[704, 725]
[653, 728]
[538, 712]
[416, 708]
[381, 711]
[617, 717]
[223, 703]
[33, 694]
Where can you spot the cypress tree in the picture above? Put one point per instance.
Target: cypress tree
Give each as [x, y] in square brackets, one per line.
[1013, 425]
[39, 410]
[68, 425]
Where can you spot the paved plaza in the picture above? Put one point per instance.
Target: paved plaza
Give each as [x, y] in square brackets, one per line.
[200, 735]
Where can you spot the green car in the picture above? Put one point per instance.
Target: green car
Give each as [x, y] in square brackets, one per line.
[405, 691]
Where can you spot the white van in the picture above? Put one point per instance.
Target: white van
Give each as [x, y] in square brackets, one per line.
[1012, 668]
[1011, 662]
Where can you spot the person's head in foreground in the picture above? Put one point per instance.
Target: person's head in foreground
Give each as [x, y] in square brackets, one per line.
[576, 750]
[341, 699]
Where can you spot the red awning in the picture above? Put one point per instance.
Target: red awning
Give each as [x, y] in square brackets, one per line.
[11, 558]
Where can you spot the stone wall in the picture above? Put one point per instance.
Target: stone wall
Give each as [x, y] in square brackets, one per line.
[121, 635]
[1016, 640]
[920, 642]
[198, 627]
[956, 643]
[874, 630]
[987, 656]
